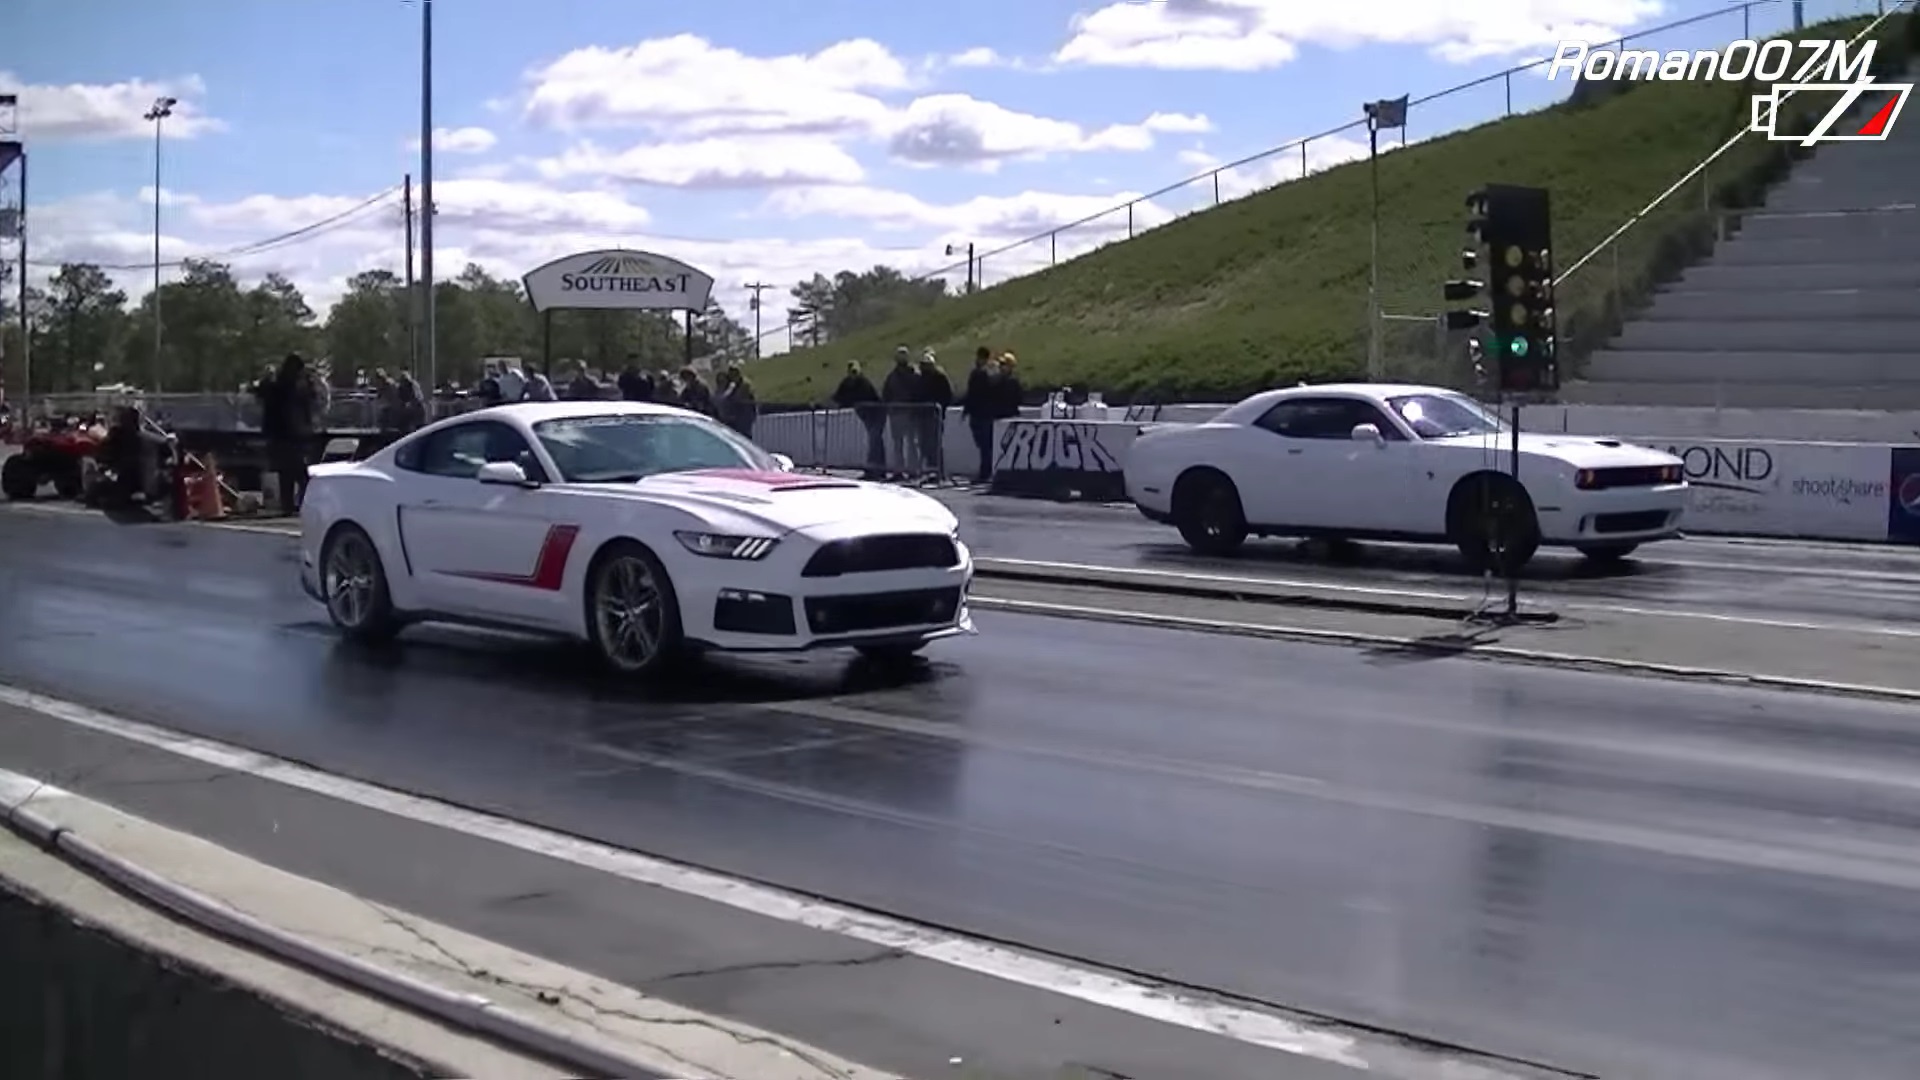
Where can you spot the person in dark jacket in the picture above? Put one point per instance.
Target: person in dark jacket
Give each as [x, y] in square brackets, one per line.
[411, 405]
[694, 393]
[936, 391]
[1007, 389]
[287, 421]
[737, 405]
[857, 392]
[664, 390]
[977, 405]
[901, 393]
[635, 385]
[583, 386]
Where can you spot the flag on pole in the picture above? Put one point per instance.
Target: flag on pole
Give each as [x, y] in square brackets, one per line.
[1388, 114]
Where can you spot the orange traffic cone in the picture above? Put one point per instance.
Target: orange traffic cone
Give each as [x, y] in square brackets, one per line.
[204, 491]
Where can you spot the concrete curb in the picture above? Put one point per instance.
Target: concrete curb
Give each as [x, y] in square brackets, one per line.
[1276, 591]
[1443, 647]
[469, 1012]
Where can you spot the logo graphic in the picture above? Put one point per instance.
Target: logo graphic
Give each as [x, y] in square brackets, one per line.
[1909, 494]
[618, 266]
[1833, 127]
[1792, 66]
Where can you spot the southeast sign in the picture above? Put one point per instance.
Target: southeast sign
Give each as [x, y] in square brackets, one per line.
[618, 280]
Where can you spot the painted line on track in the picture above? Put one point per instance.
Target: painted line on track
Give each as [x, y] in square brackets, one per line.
[1309, 1037]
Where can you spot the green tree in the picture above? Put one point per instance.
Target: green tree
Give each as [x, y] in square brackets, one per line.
[203, 333]
[367, 328]
[81, 336]
[850, 302]
[277, 321]
[717, 334]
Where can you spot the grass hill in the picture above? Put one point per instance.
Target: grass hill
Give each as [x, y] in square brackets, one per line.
[1272, 288]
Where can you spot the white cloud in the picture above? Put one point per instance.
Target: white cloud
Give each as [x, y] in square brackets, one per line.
[949, 129]
[466, 140]
[713, 163]
[984, 220]
[108, 110]
[979, 57]
[684, 86]
[1248, 35]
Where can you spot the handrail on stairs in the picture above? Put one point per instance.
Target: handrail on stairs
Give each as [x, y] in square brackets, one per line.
[1637, 217]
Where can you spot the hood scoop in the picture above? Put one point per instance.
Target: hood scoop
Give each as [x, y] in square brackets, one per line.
[1606, 442]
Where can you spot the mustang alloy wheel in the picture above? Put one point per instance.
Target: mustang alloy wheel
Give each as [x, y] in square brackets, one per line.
[633, 615]
[354, 586]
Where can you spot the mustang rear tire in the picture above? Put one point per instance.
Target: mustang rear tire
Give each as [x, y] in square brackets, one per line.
[1492, 521]
[1207, 509]
[633, 614]
[353, 585]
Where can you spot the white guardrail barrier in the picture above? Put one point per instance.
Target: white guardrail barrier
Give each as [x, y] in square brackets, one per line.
[1780, 473]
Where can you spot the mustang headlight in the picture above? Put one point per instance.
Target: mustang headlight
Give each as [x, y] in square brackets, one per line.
[717, 546]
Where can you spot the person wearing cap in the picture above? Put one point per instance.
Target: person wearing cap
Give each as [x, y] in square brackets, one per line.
[857, 392]
[903, 394]
[936, 390]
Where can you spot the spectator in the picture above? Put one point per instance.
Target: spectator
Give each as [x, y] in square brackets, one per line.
[856, 392]
[286, 419]
[635, 384]
[1008, 391]
[539, 388]
[694, 393]
[738, 408]
[412, 407]
[664, 390]
[936, 390]
[583, 386]
[901, 394]
[977, 405]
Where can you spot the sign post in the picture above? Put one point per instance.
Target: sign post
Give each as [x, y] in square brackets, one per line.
[615, 280]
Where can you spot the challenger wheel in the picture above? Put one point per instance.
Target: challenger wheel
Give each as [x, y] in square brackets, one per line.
[633, 615]
[353, 584]
[1206, 507]
[1492, 521]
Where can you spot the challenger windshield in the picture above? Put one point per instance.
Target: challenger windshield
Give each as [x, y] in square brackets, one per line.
[1439, 416]
[626, 446]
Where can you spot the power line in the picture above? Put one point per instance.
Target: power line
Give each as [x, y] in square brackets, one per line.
[301, 235]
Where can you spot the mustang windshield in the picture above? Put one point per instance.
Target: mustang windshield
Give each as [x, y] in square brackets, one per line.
[1437, 416]
[624, 446]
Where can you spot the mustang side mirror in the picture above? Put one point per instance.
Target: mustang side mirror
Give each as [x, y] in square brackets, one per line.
[504, 472]
[784, 462]
[1368, 433]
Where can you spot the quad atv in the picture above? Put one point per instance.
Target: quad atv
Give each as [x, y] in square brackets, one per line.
[55, 456]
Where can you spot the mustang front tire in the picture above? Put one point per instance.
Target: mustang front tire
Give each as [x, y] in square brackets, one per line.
[633, 615]
[353, 584]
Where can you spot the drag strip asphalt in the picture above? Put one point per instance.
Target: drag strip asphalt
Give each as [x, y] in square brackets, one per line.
[1614, 876]
[1778, 579]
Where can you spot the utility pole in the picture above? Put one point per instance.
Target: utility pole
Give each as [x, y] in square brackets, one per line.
[757, 288]
[413, 298]
[426, 196]
[162, 108]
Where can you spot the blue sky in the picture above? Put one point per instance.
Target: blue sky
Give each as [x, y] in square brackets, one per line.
[758, 139]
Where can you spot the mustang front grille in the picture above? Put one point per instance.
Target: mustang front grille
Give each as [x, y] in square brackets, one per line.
[873, 554]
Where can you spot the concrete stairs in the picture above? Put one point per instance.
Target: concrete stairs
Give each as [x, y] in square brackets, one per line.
[1813, 303]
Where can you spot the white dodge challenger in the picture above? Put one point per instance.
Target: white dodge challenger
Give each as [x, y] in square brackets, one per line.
[1418, 463]
[643, 530]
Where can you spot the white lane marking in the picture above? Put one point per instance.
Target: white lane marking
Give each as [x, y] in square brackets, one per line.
[1085, 575]
[1149, 1000]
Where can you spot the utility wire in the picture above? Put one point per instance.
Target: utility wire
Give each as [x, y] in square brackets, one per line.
[291, 238]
